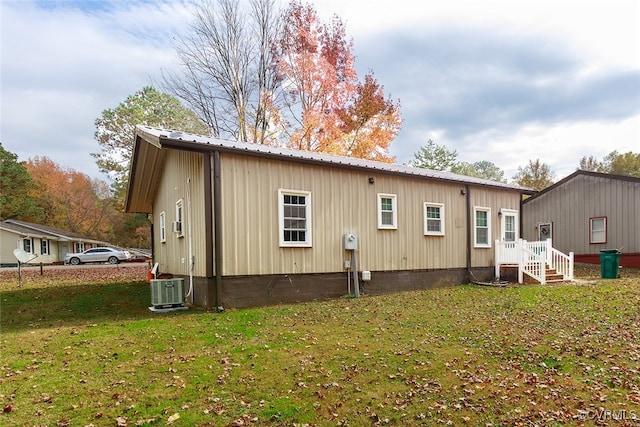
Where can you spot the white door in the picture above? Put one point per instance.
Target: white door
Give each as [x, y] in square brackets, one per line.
[509, 225]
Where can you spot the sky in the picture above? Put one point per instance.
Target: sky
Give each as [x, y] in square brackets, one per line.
[505, 81]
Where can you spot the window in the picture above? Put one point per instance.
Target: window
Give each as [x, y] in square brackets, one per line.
[45, 247]
[598, 230]
[509, 224]
[294, 211]
[387, 211]
[482, 221]
[78, 247]
[163, 227]
[433, 219]
[177, 225]
[27, 245]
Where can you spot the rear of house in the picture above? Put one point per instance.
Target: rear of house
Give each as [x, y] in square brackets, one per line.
[253, 225]
[587, 212]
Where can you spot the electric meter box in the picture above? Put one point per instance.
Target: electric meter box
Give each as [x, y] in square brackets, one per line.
[350, 242]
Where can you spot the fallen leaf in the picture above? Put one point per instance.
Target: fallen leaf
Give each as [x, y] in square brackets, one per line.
[173, 418]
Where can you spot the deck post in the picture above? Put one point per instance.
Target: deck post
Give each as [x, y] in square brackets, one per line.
[571, 266]
[521, 244]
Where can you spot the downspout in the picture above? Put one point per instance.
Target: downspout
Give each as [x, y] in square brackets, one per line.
[467, 190]
[217, 227]
[208, 225]
[153, 241]
[521, 216]
[190, 240]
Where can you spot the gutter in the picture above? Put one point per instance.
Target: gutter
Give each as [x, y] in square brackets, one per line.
[467, 190]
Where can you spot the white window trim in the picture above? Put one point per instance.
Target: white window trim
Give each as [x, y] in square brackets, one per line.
[45, 247]
[504, 213]
[394, 207]
[178, 227]
[163, 227]
[424, 215]
[31, 249]
[591, 240]
[308, 235]
[477, 209]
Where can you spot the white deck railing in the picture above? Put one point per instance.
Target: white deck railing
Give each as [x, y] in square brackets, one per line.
[533, 258]
[562, 263]
[532, 262]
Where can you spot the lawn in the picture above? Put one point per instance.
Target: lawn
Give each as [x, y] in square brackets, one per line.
[78, 353]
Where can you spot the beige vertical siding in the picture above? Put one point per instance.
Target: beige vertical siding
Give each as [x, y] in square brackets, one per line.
[570, 206]
[495, 200]
[344, 201]
[173, 255]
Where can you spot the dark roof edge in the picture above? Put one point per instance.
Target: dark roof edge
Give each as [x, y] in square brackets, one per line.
[583, 172]
[45, 230]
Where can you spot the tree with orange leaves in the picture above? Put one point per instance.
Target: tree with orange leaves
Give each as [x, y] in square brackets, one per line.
[71, 200]
[370, 122]
[326, 108]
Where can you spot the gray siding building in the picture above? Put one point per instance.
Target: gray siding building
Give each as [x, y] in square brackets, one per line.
[585, 213]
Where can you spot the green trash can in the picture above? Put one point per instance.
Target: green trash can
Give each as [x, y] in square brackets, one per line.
[609, 263]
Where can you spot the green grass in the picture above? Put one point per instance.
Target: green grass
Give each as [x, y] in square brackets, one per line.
[76, 354]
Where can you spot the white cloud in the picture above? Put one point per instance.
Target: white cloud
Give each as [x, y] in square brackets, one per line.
[61, 67]
[505, 81]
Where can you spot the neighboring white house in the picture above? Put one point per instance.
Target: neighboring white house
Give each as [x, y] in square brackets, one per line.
[47, 245]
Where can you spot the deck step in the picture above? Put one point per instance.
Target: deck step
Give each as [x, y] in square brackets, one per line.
[551, 274]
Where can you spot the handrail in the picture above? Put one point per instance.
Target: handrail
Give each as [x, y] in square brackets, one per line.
[532, 258]
[533, 264]
[562, 263]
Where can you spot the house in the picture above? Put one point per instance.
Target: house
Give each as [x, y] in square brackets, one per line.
[249, 224]
[47, 245]
[585, 213]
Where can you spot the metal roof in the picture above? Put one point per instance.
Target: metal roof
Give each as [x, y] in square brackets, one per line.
[164, 137]
[25, 228]
[581, 172]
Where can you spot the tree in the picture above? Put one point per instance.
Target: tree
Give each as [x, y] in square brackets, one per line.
[281, 78]
[15, 185]
[535, 175]
[614, 163]
[71, 200]
[435, 157]
[115, 130]
[325, 107]
[590, 164]
[370, 123]
[483, 169]
[226, 73]
[622, 163]
[438, 157]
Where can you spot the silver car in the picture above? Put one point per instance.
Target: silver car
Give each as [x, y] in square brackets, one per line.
[110, 255]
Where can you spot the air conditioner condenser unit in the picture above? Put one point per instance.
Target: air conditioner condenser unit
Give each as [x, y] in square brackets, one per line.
[167, 292]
